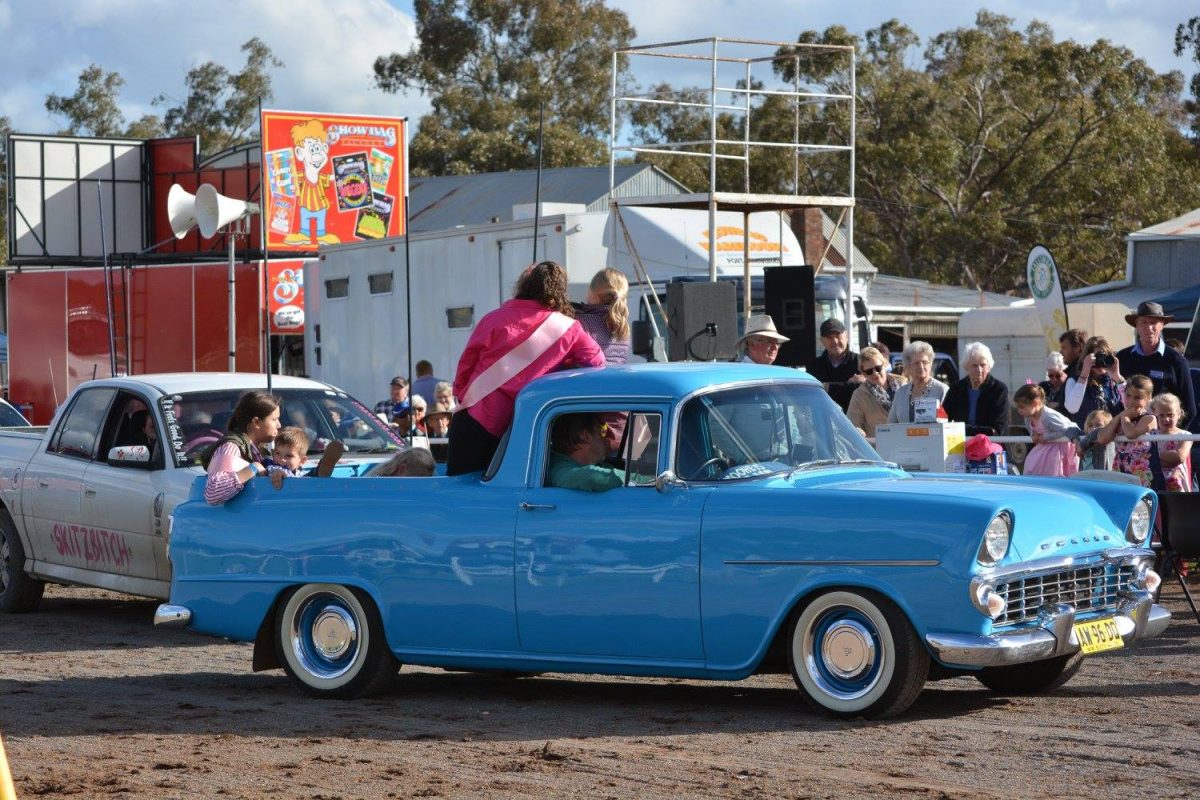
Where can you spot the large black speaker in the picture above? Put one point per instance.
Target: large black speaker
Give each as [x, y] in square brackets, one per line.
[791, 302]
[703, 321]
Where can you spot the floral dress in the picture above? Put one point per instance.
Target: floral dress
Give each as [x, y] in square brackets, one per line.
[1179, 479]
[1133, 458]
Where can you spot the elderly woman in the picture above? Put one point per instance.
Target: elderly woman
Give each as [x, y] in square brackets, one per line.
[978, 400]
[921, 388]
[1055, 385]
[872, 400]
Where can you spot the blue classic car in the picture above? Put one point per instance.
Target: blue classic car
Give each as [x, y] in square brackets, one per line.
[754, 531]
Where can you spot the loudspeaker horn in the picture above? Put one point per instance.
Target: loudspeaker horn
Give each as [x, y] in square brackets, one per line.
[181, 208]
[214, 210]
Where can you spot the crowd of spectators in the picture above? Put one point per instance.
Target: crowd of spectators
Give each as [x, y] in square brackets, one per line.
[1074, 415]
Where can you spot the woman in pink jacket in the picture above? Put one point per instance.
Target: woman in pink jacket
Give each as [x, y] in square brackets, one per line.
[527, 337]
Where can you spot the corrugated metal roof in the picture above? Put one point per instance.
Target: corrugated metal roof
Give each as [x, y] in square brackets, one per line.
[443, 202]
[862, 264]
[1184, 227]
[894, 292]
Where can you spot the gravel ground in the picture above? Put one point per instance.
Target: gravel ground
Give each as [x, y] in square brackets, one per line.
[95, 702]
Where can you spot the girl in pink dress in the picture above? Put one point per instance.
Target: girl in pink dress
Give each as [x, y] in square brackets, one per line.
[1053, 453]
[1134, 456]
[1175, 457]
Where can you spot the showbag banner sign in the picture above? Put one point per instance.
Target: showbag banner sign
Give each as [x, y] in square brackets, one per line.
[332, 178]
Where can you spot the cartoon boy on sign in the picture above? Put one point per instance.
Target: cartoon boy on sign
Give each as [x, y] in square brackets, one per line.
[312, 151]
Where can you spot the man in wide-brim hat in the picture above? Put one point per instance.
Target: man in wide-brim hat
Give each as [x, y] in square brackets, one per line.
[760, 343]
[1149, 355]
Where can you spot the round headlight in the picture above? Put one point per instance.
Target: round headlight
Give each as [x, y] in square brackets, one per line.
[996, 539]
[1139, 522]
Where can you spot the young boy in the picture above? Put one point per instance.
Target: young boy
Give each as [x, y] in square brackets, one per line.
[291, 448]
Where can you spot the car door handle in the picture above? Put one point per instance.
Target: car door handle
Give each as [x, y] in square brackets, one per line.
[536, 506]
[89, 491]
[43, 483]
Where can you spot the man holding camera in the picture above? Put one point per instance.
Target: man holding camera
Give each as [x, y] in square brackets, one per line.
[1149, 355]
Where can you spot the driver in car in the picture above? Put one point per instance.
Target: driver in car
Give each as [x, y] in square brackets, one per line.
[578, 444]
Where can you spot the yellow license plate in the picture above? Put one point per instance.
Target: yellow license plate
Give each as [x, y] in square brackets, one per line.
[1098, 635]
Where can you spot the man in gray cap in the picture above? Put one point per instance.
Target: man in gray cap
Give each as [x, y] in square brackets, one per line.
[837, 367]
[1149, 355]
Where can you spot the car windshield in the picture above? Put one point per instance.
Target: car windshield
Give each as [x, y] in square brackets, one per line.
[750, 431]
[11, 418]
[196, 420]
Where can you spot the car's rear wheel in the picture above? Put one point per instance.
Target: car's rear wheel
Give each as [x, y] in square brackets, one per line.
[331, 642]
[18, 591]
[1034, 678]
[854, 653]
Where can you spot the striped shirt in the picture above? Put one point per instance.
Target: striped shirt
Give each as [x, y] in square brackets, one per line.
[311, 196]
[223, 484]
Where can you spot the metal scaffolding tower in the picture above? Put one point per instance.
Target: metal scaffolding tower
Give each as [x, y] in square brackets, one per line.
[716, 78]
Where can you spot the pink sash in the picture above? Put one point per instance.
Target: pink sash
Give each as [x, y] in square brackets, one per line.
[508, 366]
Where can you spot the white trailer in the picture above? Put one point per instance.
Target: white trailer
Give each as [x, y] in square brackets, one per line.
[357, 300]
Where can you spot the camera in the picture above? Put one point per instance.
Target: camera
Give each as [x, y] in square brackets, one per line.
[1104, 360]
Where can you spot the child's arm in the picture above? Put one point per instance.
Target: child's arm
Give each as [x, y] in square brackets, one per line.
[1173, 458]
[1106, 434]
[1132, 430]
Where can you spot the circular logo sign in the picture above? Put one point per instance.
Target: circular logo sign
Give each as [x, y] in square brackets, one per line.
[1041, 277]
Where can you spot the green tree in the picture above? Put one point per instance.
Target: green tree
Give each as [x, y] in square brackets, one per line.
[221, 107]
[5, 129]
[489, 65]
[95, 108]
[1187, 36]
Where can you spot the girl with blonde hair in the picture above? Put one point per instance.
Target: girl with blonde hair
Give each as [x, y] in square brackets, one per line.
[605, 315]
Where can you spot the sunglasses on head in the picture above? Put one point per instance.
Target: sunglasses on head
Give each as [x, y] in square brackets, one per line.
[873, 370]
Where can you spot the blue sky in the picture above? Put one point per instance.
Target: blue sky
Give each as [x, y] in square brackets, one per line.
[329, 45]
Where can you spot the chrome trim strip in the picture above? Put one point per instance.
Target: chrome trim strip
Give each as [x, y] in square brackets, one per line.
[171, 616]
[840, 563]
[1060, 563]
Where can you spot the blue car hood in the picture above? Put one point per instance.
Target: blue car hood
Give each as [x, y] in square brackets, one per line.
[1051, 516]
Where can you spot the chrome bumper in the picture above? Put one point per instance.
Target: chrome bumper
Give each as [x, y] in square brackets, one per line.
[1136, 615]
[172, 616]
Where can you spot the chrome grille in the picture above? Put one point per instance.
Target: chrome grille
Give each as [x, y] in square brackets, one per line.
[1086, 588]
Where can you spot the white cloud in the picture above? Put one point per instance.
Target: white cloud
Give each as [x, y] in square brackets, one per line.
[328, 49]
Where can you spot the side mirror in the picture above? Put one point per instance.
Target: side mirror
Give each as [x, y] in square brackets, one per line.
[668, 480]
[136, 456]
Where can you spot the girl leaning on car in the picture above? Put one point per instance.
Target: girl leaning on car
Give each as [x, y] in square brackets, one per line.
[236, 458]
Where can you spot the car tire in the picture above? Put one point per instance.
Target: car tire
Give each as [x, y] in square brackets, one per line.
[879, 666]
[330, 641]
[18, 592]
[1034, 678]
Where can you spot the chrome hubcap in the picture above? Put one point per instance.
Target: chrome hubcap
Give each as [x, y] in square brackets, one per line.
[848, 650]
[333, 632]
[325, 636]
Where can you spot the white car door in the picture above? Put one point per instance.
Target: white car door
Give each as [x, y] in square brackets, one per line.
[124, 503]
[53, 486]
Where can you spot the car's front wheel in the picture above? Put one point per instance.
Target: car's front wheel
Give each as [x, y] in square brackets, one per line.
[854, 653]
[18, 591]
[330, 641]
[1034, 678]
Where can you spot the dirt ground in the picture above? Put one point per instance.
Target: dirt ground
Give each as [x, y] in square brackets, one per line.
[95, 702]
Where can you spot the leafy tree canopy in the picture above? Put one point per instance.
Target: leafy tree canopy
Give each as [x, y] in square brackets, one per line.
[1187, 37]
[990, 141]
[488, 65]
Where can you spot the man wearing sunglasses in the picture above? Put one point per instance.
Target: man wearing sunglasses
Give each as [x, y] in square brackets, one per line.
[579, 446]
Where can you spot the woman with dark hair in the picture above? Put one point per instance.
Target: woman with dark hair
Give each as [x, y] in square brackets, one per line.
[527, 337]
[1098, 386]
[235, 458]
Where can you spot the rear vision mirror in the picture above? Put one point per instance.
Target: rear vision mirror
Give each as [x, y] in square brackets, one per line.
[134, 455]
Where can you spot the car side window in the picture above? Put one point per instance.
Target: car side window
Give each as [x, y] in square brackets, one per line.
[131, 422]
[80, 427]
[622, 446]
